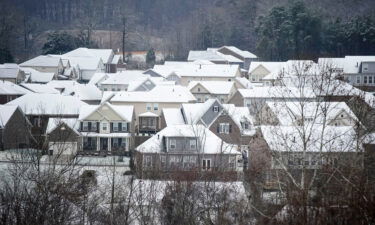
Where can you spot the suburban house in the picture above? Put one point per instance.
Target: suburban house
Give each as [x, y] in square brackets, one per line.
[149, 104]
[39, 108]
[46, 64]
[14, 128]
[284, 149]
[246, 56]
[10, 91]
[106, 129]
[308, 113]
[35, 76]
[11, 72]
[40, 88]
[186, 148]
[232, 124]
[204, 90]
[256, 97]
[85, 66]
[259, 70]
[63, 136]
[98, 78]
[184, 73]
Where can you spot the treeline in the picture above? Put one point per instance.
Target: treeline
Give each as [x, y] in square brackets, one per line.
[295, 32]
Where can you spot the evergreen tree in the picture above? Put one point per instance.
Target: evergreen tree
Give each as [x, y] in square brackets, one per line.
[150, 57]
[59, 43]
[6, 56]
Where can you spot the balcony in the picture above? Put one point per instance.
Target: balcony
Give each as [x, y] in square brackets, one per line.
[148, 123]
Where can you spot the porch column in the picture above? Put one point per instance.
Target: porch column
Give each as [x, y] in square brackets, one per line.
[97, 144]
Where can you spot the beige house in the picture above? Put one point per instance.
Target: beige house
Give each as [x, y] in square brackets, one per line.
[45, 63]
[11, 72]
[204, 90]
[259, 70]
[148, 105]
[106, 128]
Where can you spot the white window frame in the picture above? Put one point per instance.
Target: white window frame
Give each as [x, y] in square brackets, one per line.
[156, 106]
[124, 124]
[104, 126]
[115, 126]
[365, 79]
[358, 79]
[148, 107]
[193, 144]
[85, 126]
[205, 165]
[370, 79]
[224, 128]
[172, 142]
[216, 108]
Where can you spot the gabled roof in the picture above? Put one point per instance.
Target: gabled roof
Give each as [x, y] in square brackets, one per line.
[332, 62]
[37, 76]
[240, 115]
[48, 104]
[276, 92]
[160, 93]
[125, 77]
[244, 54]
[245, 83]
[104, 54]
[98, 77]
[173, 116]
[40, 88]
[84, 92]
[270, 66]
[9, 88]
[72, 123]
[42, 61]
[288, 113]
[352, 63]
[6, 112]
[209, 143]
[194, 70]
[123, 111]
[320, 138]
[214, 87]
[193, 112]
[9, 70]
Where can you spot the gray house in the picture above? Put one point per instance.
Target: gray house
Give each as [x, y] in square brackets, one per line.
[186, 148]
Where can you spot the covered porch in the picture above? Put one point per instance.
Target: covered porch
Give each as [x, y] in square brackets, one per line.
[103, 144]
[148, 123]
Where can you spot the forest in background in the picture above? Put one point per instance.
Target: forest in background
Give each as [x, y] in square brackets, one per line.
[272, 29]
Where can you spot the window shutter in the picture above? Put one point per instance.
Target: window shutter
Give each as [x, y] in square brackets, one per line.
[89, 126]
[97, 126]
[81, 127]
[120, 126]
[111, 127]
[218, 128]
[230, 128]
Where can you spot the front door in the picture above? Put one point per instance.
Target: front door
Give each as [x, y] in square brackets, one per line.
[104, 144]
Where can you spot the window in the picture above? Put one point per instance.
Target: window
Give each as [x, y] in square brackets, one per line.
[370, 79]
[148, 161]
[156, 106]
[229, 79]
[123, 142]
[172, 143]
[148, 106]
[224, 128]
[206, 164]
[115, 126]
[85, 126]
[113, 89]
[365, 79]
[216, 108]
[105, 89]
[245, 125]
[118, 89]
[199, 89]
[193, 159]
[115, 142]
[358, 79]
[193, 144]
[232, 162]
[199, 100]
[124, 126]
[93, 126]
[104, 126]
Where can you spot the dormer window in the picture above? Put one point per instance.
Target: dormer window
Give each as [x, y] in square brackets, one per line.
[216, 108]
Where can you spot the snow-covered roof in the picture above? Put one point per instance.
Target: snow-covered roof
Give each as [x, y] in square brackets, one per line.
[148, 114]
[48, 104]
[293, 68]
[270, 66]
[107, 95]
[9, 88]
[194, 70]
[98, 77]
[40, 88]
[276, 92]
[84, 92]
[42, 61]
[104, 54]
[9, 70]
[160, 93]
[240, 115]
[37, 76]
[214, 87]
[53, 123]
[320, 138]
[289, 113]
[194, 112]
[6, 112]
[352, 63]
[116, 59]
[244, 82]
[124, 77]
[209, 143]
[332, 62]
[242, 53]
[84, 63]
[205, 55]
[124, 111]
[173, 116]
